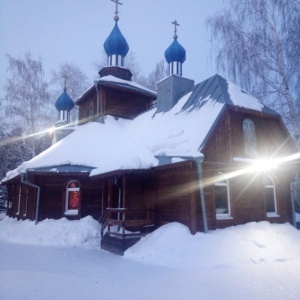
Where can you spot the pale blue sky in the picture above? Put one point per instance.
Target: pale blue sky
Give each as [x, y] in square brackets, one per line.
[74, 31]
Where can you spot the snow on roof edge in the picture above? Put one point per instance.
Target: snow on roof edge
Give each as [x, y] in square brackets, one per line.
[113, 79]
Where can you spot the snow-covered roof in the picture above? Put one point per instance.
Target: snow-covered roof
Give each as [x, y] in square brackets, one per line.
[115, 81]
[130, 84]
[224, 91]
[119, 144]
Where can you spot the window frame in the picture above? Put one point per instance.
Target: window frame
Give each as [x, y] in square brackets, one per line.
[91, 109]
[273, 188]
[250, 146]
[67, 210]
[223, 181]
[26, 201]
[19, 200]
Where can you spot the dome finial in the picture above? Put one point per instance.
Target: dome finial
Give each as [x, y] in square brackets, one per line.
[116, 17]
[175, 30]
[115, 45]
[64, 103]
[175, 54]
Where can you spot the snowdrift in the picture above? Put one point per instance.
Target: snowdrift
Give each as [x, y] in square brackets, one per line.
[57, 233]
[253, 243]
[170, 245]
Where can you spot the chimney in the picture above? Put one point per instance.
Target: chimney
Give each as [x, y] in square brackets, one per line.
[170, 90]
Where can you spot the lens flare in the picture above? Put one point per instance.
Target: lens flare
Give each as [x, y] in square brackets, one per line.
[264, 165]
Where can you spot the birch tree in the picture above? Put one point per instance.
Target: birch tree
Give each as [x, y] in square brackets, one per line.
[150, 81]
[27, 99]
[257, 43]
[13, 150]
[76, 80]
[76, 83]
[160, 71]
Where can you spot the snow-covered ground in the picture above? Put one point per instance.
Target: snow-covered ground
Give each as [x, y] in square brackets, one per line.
[62, 260]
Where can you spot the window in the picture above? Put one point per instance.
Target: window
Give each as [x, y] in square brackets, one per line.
[72, 198]
[91, 108]
[11, 197]
[19, 200]
[26, 202]
[270, 191]
[249, 136]
[222, 197]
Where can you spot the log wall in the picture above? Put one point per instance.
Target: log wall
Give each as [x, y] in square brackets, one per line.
[247, 192]
[124, 105]
[177, 195]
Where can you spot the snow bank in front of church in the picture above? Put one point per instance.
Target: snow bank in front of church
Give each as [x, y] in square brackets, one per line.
[49, 232]
[171, 244]
[232, 247]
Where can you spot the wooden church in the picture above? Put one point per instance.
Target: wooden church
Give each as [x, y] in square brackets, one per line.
[207, 155]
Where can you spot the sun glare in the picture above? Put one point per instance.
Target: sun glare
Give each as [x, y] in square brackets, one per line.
[51, 130]
[23, 137]
[256, 167]
[264, 165]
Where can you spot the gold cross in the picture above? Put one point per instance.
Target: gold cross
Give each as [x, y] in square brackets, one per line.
[116, 17]
[175, 31]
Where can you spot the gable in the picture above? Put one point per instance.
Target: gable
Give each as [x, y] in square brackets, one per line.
[114, 96]
[124, 105]
[226, 141]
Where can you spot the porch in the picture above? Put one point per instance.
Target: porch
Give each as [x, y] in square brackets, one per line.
[121, 228]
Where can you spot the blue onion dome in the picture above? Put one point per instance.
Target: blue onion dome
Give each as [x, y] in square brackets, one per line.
[64, 102]
[175, 52]
[116, 43]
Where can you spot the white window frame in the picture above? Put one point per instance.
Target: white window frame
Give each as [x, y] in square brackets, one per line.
[273, 188]
[19, 200]
[26, 202]
[71, 212]
[220, 182]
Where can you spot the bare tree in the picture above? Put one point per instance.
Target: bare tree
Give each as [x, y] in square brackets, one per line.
[134, 67]
[2, 115]
[27, 98]
[99, 65]
[76, 83]
[13, 149]
[3, 168]
[160, 71]
[257, 43]
[3, 126]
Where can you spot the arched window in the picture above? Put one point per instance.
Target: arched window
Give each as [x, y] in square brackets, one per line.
[222, 197]
[249, 136]
[72, 198]
[270, 191]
